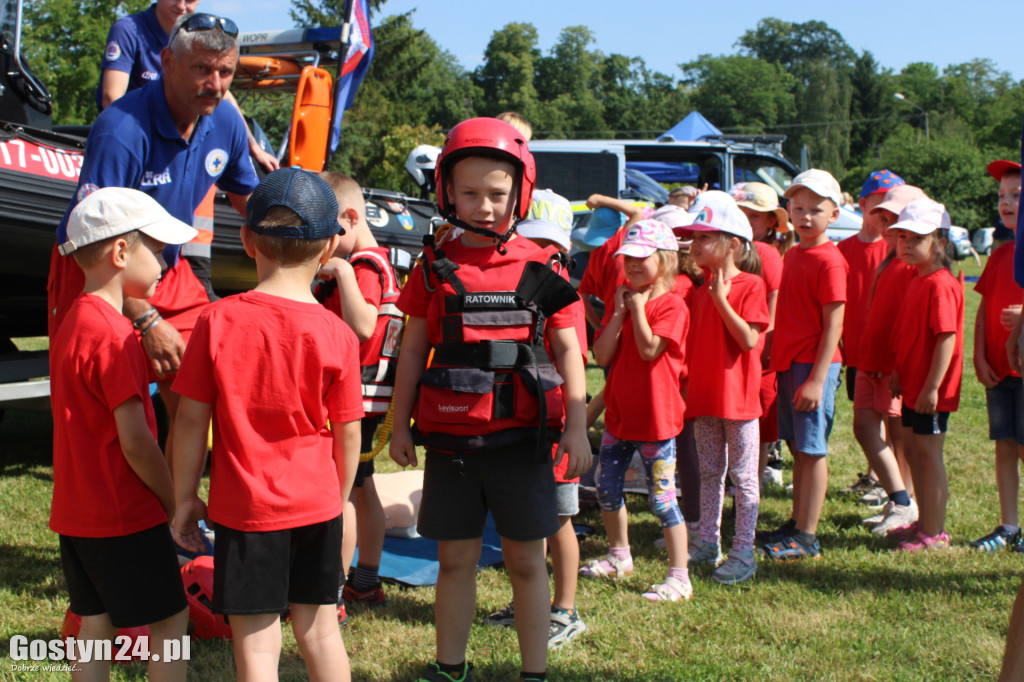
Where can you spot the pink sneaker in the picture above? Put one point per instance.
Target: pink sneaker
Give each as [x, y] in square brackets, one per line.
[908, 532]
[922, 542]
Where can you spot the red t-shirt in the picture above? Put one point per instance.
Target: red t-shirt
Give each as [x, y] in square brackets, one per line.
[771, 266]
[275, 371]
[863, 260]
[933, 305]
[876, 355]
[476, 265]
[642, 398]
[368, 280]
[100, 366]
[726, 380]
[998, 291]
[811, 279]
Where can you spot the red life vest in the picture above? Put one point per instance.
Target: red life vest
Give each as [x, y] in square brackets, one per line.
[491, 382]
[379, 354]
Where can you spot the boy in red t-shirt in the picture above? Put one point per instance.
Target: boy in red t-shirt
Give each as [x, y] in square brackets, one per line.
[1004, 394]
[112, 491]
[481, 306]
[863, 253]
[273, 368]
[362, 290]
[805, 353]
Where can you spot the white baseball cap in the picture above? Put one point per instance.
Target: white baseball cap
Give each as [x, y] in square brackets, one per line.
[923, 216]
[675, 217]
[550, 217]
[112, 211]
[818, 181]
[716, 211]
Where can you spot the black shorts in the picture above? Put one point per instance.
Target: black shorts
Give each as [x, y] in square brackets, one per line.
[924, 424]
[368, 426]
[134, 579]
[851, 382]
[263, 572]
[515, 484]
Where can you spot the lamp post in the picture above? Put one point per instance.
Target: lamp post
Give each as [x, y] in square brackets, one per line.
[902, 98]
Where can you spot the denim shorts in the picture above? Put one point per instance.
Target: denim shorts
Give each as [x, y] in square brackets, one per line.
[1005, 404]
[806, 432]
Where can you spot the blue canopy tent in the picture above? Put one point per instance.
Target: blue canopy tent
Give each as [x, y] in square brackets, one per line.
[691, 128]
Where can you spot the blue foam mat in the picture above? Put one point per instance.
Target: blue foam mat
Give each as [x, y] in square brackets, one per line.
[412, 562]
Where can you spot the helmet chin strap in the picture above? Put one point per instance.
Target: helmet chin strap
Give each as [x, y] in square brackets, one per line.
[499, 239]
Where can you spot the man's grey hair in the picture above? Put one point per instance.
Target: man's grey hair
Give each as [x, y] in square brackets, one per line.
[185, 41]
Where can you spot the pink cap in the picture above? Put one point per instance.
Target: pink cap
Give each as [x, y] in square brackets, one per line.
[646, 237]
[898, 197]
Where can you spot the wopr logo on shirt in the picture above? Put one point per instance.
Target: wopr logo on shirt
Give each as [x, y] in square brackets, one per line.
[216, 161]
[113, 52]
[150, 75]
[151, 179]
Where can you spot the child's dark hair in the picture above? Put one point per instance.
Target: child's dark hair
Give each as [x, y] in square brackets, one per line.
[286, 250]
[688, 266]
[782, 241]
[90, 254]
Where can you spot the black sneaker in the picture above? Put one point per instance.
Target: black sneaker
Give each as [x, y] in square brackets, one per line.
[998, 539]
[505, 617]
[433, 674]
[775, 535]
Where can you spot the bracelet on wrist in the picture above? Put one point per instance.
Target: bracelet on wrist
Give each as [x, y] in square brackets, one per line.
[149, 326]
[145, 317]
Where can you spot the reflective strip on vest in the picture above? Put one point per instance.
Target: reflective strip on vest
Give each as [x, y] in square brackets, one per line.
[202, 244]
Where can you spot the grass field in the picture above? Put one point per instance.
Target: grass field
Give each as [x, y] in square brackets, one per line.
[860, 613]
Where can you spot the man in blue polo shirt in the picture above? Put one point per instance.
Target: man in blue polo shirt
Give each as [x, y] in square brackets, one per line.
[173, 139]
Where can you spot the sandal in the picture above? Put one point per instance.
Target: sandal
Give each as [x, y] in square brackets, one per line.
[608, 567]
[673, 589]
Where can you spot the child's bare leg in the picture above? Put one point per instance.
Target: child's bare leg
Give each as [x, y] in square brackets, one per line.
[813, 485]
[94, 628]
[867, 427]
[257, 646]
[616, 526]
[594, 409]
[527, 570]
[898, 442]
[762, 459]
[565, 563]
[319, 639]
[370, 528]
[172, 628]
[1008, 454]
[676, 542]
[455, 597]
[798, 482]
[932, 485]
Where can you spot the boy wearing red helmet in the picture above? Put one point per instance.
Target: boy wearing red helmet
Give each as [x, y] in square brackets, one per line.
[491, 400]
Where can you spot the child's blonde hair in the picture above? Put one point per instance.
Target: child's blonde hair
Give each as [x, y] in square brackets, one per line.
[668, 267]
[518, 122]
[286, 250]
[89, 255]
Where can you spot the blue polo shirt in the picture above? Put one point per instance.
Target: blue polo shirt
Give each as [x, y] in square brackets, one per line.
[133, 46]
[134, 143]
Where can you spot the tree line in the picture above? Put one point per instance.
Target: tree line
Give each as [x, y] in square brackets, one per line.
[799, 79]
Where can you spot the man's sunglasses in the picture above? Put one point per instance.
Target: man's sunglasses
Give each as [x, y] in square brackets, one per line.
[206, 22]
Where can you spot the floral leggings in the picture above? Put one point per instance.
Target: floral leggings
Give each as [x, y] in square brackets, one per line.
[659, 458]
[728, 445]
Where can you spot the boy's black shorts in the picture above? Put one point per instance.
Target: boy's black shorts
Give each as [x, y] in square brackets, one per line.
[368, 425]
[263, 572]
[515, 484]
[924, 424]
[134, 579]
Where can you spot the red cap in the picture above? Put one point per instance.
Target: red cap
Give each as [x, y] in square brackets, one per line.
[997, 169]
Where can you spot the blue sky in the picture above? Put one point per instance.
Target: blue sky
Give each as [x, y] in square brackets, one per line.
[665, 33]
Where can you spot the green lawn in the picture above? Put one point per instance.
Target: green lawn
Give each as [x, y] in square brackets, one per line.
[860, 613]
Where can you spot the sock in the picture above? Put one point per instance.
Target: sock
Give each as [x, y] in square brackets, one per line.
[456, 672]
[364, 578]
[901, 498]
[1010, 529]
[680, 574]
[620, 553]
[533, 676]
[559, 609]
[805, 539]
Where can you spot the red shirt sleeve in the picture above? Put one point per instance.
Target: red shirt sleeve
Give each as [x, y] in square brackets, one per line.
[195, 378]
[368, 280]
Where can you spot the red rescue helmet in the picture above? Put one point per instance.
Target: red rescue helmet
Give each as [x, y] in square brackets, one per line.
[197, 575]
[490, 137]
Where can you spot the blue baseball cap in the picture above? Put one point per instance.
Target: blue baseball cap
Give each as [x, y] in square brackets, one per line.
[604, 222]
[307, 194]
[880, 182]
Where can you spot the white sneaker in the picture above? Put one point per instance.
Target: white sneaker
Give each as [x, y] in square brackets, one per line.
[875, 498]
[873, 521]
[771, 478]
[897, 517]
